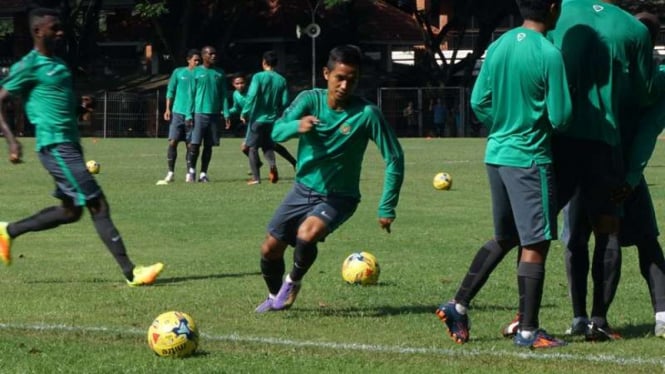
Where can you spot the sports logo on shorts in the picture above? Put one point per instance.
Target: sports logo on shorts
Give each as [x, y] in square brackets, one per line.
[345, 128]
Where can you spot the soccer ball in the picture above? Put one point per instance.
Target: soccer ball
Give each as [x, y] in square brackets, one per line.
[93, 166]
[361, 268]
[173, 334]
[442, 181]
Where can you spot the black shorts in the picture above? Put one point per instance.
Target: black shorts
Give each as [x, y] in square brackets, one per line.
[302, 202]
[66, 165]
[206, 129]
[259, 135]
[178, 129]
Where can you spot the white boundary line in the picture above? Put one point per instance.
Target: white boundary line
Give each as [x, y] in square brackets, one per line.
[235, 338]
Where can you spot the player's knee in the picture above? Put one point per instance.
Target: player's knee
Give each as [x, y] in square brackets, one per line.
[272, 248]
[72, 214]
[173, 143]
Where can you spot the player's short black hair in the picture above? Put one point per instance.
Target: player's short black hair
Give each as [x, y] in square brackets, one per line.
[652, 23]
[192, 52]
[35, 16]
[270, 57]
[348, 54]
[536, 10]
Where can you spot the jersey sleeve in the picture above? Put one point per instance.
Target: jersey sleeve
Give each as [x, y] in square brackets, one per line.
[642, 74]
[19, 80]
[481, 96]
[172, 86]
[250, 98]
[393, 156]
[286, 127]
[558, 101]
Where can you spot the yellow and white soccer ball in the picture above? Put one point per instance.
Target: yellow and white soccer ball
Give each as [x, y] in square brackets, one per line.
[442, 181]
[173, 334]
[361, 268]
[93, 166]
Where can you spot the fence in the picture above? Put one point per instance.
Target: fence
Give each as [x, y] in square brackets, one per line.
[427, 111]
[125, 114]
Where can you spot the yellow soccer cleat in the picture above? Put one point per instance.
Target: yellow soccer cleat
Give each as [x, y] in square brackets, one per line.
[5, 244]
[145, 275]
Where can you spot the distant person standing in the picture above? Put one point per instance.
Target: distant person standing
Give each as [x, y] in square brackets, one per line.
[208, 106]
[45, 83]
[179, 94]
[439, 116]
[267, 97]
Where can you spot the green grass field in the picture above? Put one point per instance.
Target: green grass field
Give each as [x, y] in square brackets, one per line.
[65, 307]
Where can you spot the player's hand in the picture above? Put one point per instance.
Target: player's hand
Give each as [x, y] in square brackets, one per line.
[385, 223]
[620, 194]
[15, 153]
[189, 123]
[167, 115]
[243, 120]
[307, 123]
[228, 124]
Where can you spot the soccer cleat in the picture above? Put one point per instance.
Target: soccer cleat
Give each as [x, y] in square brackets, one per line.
[5, 244]
[162, 182]
[457, 324]
[511, 329]
[252, 182]
[539, 339]
[145, 275]
[204, 179]
[580, 326]
[286, 296]
[596, 333]
[273, 176]
[659, 330]
[169, 178]
[265, 306]
[189, 178]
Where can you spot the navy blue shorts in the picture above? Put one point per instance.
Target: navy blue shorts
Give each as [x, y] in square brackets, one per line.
[302, 202]
[206, 129]
[178, 129]
[66, 165]
[259, 134]
[523, 203]
[639, 218]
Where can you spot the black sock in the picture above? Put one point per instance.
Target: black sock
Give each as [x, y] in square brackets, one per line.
[254, 163]
[273, 271]
[269, 155]
[282, 151]
[304, 256]
[577, 270]
[206, 156]
[48, 218]
[487, 258]
[113, 241]
[171, 156]
[652, 267]
[193, 155]
[530, 280]
[606, 272]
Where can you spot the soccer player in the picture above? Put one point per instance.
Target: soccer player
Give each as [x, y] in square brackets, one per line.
[209, 105]
[608, 67]
[638, 225]
[334, 127]
[45, 83]
[521, 94]
[267, 97]
[179, 93]
[239, 99]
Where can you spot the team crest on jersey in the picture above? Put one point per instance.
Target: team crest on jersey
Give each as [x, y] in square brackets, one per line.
[597, 7]
[345, 128]
[521, 36]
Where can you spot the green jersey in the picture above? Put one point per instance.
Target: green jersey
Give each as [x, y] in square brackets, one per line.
[238, 103]
[521, 94]
[330, 156]
[45, 83]
[181, 88]
[267, 96]
[607, 53]
[210, 91]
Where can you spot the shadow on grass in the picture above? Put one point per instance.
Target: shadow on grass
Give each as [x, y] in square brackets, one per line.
[380, 311]
[160, 282]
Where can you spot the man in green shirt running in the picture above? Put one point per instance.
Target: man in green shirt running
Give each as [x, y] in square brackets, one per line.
[179, 93]
[45, 83]
[267, 97]
[209, 105]
[333, 127]
[521, 94]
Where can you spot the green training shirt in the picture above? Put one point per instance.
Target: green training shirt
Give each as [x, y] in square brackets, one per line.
[181, 88]
[267, 96]
[607, 53]
[210, 91]
[330, 156]
[45, 84]
[521, 94]
[238, 103]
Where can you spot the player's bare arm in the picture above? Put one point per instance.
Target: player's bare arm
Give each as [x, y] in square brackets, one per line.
[15, 149]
